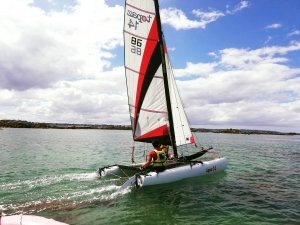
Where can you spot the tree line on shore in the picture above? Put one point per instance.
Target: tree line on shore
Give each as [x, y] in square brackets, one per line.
[26, 124]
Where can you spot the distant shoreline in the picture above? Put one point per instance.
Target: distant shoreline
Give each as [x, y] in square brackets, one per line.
[36, 125]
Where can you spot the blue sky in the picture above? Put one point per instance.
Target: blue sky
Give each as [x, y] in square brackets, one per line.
[237, 28]
[237, 62]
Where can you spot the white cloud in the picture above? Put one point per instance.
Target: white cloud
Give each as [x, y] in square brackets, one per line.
[268, 40]
[294, 33]
[177, 18]
[273, 26]
[207, 17]
[39, 48]
[251, 115]
[84, 101]
[244, 58]
[240, 6]
[245, 88]
[198, 69]
[54, 65]
[171, 49]
[213, 54]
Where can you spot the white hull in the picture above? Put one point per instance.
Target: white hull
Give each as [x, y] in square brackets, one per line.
[182, 172]
[174, 174]
[112, 170]
[28, 220]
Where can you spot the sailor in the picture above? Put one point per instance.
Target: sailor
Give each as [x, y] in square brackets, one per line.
[156, 158]
[169, 155]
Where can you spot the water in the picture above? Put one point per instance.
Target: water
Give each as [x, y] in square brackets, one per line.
[52, 173]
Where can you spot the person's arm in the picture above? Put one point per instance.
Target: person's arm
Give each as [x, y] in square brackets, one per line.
[148, 161]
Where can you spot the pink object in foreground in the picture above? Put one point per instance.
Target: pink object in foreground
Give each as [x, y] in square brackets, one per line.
[28, 220]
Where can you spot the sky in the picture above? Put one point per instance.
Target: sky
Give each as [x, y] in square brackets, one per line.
[236, 62]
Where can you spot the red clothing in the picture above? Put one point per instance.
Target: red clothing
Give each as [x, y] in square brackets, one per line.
[151, 155]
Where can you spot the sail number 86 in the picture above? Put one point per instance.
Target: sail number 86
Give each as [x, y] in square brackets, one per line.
[136, 45]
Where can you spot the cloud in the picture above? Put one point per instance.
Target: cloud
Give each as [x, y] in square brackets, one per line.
[195, 70]
[177, 18]
[252, 115]
[294, 33]
[240, 6]
[39, 48]
[268, 40]
[244, 58]
[245, 88]
[273, 26]
[171, 49]
[55, 66]
[97, 101]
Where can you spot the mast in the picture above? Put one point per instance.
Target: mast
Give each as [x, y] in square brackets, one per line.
[165, 76]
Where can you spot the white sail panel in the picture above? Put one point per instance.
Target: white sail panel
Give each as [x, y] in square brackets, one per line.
[183, 134]
[139, 16]
[132, 80]
[143, 5]
[133, 59]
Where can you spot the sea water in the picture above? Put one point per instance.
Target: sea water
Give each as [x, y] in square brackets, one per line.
[51, 173]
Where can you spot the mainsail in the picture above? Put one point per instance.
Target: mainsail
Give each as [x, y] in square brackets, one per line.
[155, 106]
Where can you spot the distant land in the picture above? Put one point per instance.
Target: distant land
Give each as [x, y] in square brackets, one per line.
[26, 124]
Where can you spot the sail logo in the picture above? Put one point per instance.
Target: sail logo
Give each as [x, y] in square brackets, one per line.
[212, 169]
[139, 17]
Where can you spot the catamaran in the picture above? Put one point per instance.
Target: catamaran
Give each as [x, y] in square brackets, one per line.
[155, 107]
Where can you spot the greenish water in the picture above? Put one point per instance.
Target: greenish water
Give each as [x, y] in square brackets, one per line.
[52, 173]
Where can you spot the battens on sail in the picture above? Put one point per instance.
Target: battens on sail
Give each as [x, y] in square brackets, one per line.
[144, 78]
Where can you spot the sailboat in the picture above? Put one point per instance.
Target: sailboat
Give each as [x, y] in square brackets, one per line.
[155, 107]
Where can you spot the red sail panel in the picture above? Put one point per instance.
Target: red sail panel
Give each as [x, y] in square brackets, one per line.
[149, 49]
[157, 133]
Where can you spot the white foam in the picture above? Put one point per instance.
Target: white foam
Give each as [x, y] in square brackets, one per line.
[48, 180]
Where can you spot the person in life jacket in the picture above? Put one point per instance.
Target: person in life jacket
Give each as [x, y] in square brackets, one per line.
[156, 158]
[169, 155]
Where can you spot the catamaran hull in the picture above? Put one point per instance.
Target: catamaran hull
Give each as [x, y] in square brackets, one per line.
[106, 171]
[182, 172]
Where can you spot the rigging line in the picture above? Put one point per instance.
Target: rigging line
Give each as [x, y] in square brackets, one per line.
[132, 154]
[123, 172]
[115, 175]
[197, 141]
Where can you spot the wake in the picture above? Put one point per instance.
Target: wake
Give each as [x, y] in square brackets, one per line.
[79, 190]
[48, 180]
